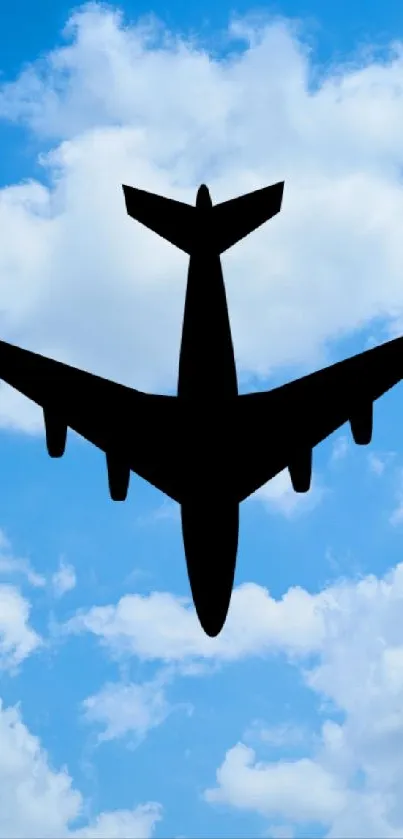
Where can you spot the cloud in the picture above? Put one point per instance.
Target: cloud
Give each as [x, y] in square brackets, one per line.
[281, 831]
[278, 495]
[17, 639]
[278, 735]
[163, 627]
[167, 511]
[396, 516]
[376, 464]
[116, 104]
[347, 641]
[350, 780]
[9, 564]
[37, 801]
[64, 579]
[122, 824]
[301, 790]
[124, 709]
[340, 448]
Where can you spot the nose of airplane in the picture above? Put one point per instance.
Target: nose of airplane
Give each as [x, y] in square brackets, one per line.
[212, 620]
[210, 539]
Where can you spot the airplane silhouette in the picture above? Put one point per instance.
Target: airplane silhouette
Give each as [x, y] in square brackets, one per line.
[208, 448]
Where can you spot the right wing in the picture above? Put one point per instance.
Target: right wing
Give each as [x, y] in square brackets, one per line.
[280, 428]
[137, 431]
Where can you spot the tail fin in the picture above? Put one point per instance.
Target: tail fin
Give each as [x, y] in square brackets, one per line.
[182, 224]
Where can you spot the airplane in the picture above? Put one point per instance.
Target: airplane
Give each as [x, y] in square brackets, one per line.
[208, 448]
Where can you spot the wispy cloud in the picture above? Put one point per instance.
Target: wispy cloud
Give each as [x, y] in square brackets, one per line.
[128, 709]
[283, 734]
[37, 800]
[396, 516]
[64, 579]
[379, 461]
[10, 564]
[279, 496]
[340, 449]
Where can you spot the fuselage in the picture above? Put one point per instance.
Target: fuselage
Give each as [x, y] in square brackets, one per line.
[207, 388]
[206, 363]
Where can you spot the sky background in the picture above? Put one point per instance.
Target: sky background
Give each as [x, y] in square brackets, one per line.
[119, 717]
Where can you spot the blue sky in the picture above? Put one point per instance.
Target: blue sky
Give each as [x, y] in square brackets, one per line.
[118, 716]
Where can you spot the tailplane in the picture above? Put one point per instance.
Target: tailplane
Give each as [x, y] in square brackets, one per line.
[219, 226]
[173, 220]
[235, 219]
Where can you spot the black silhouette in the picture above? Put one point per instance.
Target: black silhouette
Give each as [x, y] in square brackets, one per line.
[207, 448]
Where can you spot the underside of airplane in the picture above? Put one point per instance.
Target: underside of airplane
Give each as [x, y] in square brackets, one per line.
[182, 444]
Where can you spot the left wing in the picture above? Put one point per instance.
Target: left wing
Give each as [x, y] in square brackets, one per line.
[137, 431]
[279, 428]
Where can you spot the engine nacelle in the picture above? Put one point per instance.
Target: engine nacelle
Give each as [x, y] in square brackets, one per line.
[300, 470]
[361, 425]
[56, 433]
[118, 477]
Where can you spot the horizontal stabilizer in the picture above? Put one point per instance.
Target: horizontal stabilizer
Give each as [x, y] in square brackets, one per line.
[188, 227]
[173, 220]
[235, 219]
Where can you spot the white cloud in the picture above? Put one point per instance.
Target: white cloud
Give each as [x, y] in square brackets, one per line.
[124, 709]
[122, 824]
[167, 511]
[280, 831]
[17, 639]
[301, 790]
[351, 780]
[9, 564]
[37, 802]
[162, 626]
[340, 448]
[117, 104]
[378, 462]
[64, 579]
[396, 516]
[278, 735]
[349, 641]
[278, 495]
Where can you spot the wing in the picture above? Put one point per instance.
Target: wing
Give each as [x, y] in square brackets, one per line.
[137, 431]
[281, 427]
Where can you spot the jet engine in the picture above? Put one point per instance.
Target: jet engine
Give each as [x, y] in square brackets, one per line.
[118, 477]
[56, 433]
[300, 469]
[361, 425]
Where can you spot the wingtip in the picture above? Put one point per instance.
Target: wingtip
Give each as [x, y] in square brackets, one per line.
[279, 192]
[126, 195]
[280, 187]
